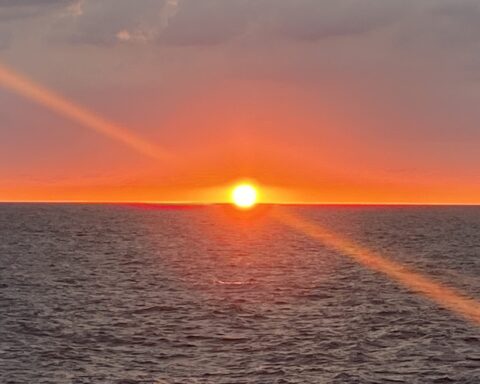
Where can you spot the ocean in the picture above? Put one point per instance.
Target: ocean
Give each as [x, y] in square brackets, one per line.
[128, 294]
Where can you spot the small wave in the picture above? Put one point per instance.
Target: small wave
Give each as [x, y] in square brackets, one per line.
[155, 308]
[234, 282]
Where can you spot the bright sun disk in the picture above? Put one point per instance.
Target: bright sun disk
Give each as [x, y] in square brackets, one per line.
[244, 196]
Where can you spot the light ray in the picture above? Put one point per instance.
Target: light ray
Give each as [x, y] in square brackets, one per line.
[60, 105]
[446, 297]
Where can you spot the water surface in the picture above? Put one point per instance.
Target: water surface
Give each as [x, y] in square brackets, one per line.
[138, 294]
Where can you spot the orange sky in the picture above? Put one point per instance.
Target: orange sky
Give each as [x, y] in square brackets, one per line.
[242, 136]
[333, 115]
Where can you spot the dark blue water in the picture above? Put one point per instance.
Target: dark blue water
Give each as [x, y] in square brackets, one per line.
[132, 294]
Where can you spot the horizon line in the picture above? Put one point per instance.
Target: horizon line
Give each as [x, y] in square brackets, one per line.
[197, 203]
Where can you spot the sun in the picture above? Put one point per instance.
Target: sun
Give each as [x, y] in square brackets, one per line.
[244, 196]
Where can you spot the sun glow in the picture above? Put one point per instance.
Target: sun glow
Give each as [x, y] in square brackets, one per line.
[244, 196]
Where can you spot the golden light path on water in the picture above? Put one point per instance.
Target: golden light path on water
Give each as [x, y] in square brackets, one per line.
[446, 297]
[60, 105]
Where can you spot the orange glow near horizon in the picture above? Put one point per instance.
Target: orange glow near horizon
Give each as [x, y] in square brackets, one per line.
[60, 105]
[210, 144]
[445, 297]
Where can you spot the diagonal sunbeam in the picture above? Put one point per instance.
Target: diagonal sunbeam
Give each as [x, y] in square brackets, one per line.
[60, 105]
[446, 297]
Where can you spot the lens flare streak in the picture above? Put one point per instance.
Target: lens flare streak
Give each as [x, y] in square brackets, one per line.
[60, 105]
[446, 297]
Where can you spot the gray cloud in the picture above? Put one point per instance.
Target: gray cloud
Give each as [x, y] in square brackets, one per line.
[16, 9]
[216, 21]
[29, 3]
[212, 22]
[110, 21]
[314, 20]
[208, 22]
[5, 39]
[443, 24]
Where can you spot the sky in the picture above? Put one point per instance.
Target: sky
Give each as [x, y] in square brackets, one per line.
[335, 101]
